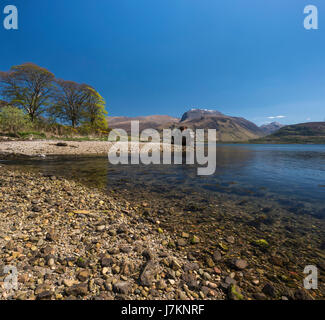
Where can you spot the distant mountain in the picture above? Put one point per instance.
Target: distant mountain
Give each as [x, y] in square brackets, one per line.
[310, 132]
[271, 127]
[229, 129]
[197, 114]
[157, 122]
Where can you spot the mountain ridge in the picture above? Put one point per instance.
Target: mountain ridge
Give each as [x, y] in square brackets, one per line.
[229, 129]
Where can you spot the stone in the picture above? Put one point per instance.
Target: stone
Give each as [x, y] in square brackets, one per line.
[100, 228]
[259, 296]
[44, 295]
[80, 289]
[217, 270]
[181, 243]
[51, 262]
[240, 264]
[161, 284]
[126, 249]
[83, 275]
[269, 290]
[122, 287]
[190, 280]
[191, 266]
[69, 282]
[217, 256]
[223, 246]
[234, 293]
[276, 261]
[106, 262]
[52, 236]
[301, 294]
[228, 281]
[209, 262]
[195, 240]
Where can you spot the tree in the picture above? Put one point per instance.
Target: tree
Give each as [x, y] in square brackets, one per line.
[69, 101]
[29, 87]
[3, 104]
[13, 119]
[95, 112]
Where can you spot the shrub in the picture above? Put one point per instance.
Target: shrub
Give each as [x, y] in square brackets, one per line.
[13, 120]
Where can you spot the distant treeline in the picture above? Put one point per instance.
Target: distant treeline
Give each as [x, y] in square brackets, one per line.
[43, 98]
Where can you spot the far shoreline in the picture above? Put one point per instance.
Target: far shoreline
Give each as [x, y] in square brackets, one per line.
[55, 148]
[43, 148]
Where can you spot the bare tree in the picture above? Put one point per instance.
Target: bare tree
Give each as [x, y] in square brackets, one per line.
[69, 101]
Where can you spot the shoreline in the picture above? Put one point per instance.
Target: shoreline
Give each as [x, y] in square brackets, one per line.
[43, 148]
[70, 241]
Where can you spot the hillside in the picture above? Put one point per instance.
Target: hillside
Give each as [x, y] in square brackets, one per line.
[229, 129]
[311, 132]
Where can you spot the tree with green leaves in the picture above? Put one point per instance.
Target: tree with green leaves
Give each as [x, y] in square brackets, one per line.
[94, 112]
[3, 104]
[13, 119]
[79, 103]
[28, 87]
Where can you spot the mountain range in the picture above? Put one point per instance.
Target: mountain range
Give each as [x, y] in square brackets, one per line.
[229, 129]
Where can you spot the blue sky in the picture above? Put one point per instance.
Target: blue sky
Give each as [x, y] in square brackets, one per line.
[249, 58]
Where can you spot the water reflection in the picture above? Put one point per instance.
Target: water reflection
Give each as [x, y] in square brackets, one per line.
[291, 175]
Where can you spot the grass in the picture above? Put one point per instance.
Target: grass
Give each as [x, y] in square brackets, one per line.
[34, 134]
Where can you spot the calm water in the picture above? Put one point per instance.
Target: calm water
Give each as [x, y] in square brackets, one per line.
[292, 175]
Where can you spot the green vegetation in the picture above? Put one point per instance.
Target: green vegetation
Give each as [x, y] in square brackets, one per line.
[235, 293]
[41, 105]
[261, 243]
[311, 132]
[13, 119]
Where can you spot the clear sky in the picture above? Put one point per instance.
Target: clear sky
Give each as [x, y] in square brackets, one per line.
[249, 58]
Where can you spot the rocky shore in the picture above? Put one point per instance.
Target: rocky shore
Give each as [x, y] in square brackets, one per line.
[68, 241]
[43, 148]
